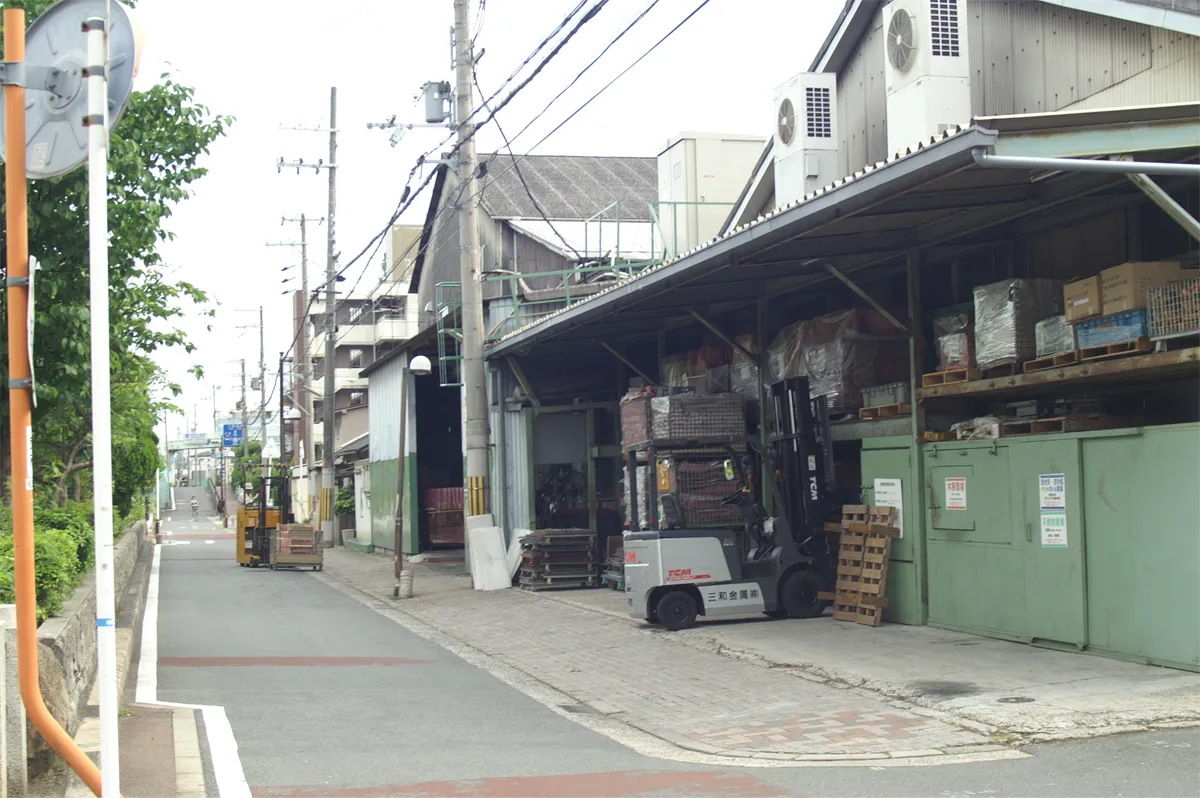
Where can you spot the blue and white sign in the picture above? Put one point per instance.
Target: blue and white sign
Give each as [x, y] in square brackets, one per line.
[231, 435]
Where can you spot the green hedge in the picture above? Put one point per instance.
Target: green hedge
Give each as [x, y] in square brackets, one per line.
[63, 545]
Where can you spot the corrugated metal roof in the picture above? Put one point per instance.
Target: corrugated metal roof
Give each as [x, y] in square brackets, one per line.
[569, 187]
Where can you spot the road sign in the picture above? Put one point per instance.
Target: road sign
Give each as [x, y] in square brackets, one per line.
[232, 435]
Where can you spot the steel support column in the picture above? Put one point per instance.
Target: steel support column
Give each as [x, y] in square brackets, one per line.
[916, 514]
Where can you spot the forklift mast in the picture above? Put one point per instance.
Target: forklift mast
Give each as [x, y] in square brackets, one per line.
[802, 450]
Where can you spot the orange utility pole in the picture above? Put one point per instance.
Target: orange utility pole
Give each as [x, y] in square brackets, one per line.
[20, 393]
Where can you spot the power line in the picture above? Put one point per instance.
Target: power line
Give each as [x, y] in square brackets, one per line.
[591, 64]
[604, 88]
[525, 185]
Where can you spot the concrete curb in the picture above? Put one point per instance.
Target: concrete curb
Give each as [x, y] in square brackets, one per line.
[762, 758]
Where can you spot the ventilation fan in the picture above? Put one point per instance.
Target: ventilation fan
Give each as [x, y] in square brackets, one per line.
[787, 121]
[900, 40]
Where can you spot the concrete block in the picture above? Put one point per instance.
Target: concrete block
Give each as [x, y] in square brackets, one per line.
[14, 775]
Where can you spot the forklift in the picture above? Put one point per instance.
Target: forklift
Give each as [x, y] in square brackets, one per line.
[776, 565]
[254, 525]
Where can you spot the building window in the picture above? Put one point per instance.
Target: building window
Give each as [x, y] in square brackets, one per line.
[356, 313]
[356, 358]
[358, 398]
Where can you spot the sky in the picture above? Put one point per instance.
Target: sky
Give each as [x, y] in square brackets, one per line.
[270, 65]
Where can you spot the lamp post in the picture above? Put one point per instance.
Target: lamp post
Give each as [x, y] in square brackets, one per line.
[418, 366]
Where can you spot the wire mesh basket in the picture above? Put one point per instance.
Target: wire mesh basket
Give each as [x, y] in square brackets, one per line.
[1174, 309]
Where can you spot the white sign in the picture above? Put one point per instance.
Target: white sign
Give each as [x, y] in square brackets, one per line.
[956, 493]
[1054, 530]
[1052, 491]
[890, 493]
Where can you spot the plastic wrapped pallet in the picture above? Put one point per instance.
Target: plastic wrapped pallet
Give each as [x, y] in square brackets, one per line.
[838, 359]
[717, 380]
[1054, 336]
[954, 333]
[635, 416]
[1006, 314]
[697, 416]
[673, 371]
[643, 494]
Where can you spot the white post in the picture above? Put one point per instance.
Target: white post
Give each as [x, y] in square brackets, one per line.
[106, 640]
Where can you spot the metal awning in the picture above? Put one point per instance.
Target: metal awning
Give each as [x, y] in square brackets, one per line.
[933, 197]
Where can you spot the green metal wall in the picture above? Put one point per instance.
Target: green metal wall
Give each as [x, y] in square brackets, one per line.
[383, 505]
[1126, 581]
[891, 458]
[1141, 503]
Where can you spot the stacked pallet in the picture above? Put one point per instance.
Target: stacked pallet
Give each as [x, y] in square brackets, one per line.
[557, 558]
[863, 554]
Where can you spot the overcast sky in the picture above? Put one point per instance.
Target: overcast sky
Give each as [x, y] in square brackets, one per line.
[270, 63]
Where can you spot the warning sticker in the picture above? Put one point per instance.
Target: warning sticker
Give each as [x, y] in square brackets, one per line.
[956, 493]
[1054, 530]
[1052, 491]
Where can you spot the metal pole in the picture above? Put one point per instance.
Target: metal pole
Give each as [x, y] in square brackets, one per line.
[328, 399]
[404, 576]
[245, 415]
[306, 355]
[20, 393]
[284, 502]
[475, 421]
[262, 393]
[102, 478]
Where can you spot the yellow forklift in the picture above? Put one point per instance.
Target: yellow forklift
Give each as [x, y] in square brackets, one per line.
[254, 527]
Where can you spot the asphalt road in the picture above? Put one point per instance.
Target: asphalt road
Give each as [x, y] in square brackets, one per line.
[327, 697]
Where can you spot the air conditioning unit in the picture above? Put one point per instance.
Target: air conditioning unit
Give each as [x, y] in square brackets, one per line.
[927, 73]
[806, 135]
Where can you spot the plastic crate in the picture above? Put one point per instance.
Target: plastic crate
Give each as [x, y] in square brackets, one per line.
[893, 393]
[1174, 309]
[1112, 329]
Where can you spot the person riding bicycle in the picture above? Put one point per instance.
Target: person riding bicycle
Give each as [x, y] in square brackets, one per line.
[195, 508]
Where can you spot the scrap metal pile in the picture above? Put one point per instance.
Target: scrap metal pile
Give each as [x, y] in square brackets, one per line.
[557, 558]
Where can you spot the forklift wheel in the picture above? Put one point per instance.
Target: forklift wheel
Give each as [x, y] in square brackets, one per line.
[798, 595]
[677, 610]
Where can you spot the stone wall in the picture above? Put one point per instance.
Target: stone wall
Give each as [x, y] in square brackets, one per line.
[67, 642]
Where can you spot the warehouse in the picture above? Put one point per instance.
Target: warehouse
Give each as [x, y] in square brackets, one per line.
[917, 234]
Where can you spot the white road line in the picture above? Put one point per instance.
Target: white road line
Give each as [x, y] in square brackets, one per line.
[222, 745]
[210, 542]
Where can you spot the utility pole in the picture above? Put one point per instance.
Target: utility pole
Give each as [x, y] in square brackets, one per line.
[475, 423]
[328, 399]
[245, 414]
[303, 361]
[262, 392]
[327, 405]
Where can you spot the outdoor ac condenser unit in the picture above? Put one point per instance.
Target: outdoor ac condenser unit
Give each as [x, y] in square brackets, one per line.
[927, 73]
[806, 135]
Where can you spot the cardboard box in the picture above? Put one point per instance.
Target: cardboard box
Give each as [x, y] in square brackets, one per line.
[1124, 287]
[1082, 299]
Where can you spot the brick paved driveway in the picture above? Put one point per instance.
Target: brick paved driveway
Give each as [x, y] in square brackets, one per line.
[697, 699]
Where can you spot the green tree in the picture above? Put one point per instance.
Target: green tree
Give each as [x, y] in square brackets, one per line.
[154, 156]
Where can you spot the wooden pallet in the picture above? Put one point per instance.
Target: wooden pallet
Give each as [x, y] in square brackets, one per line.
[949, 376]
[999, 370]
[1051, 362]
[885, 411]
[1047, 426]
[1135, 347]
[863, 553]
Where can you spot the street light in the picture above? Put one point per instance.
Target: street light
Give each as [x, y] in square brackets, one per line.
[419, 366]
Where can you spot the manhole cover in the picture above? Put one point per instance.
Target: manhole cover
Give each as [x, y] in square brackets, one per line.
[1017, 699]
